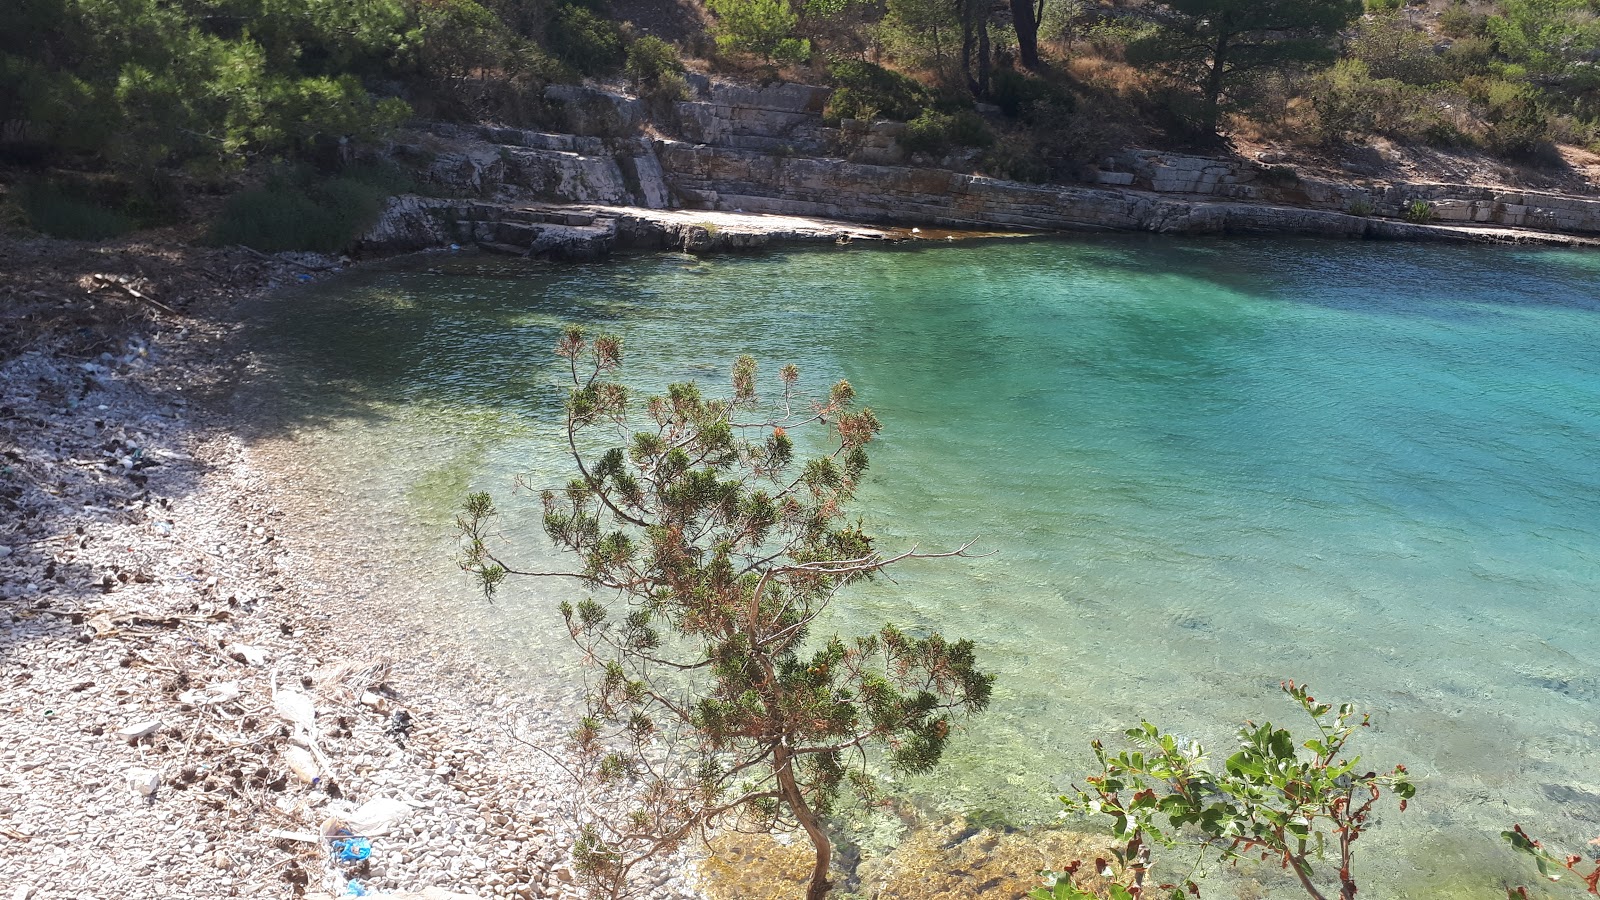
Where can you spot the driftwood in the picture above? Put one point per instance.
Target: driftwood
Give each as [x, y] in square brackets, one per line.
[118, 281]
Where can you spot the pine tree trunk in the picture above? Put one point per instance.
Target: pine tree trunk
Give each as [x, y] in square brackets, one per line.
[1027, 28]
[783, 765]
[1213, 100]
[984, 64]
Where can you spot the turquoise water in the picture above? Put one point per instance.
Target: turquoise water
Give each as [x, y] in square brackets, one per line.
[1200, 467]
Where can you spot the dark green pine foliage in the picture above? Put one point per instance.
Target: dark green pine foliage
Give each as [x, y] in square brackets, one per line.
[711, 544]
[1221, 45]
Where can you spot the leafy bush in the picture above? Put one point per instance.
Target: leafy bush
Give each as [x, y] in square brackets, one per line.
[1417, 212]
[866, 91]
[585, 41]
[1268, 801]
[1466, 57]
[1392, 48]
[1015, 92]
[655, 70]
[52, 210]
[145, 83]
[934, 132]
[1112, 37]
[1360, 206]
[295, 210]
[1019, 157]
[1349, 103]
[1518, 125]
[763, 27]
[1547, 37]
[460, 36]
[1459, 21]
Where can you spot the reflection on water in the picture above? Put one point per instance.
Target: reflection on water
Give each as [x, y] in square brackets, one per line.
[1203, 467]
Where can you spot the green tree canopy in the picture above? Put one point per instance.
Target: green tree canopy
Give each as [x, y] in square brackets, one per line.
[763, 27]
[1218, 45]
[713, 546]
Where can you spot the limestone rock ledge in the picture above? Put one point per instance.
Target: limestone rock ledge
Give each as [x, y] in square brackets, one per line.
[589, 232]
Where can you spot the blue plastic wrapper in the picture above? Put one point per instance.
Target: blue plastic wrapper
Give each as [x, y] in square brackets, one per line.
[354, 889]
[353, 849]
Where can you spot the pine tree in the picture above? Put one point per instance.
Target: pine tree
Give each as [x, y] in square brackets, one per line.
[711, 550]
[1218, 44]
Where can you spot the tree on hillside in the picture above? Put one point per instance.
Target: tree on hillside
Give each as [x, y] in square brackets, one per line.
[763, 27]
[711, 550]
[1548, 38]
[1218, 45]
[1025, 20]
[146, 84]
[976, 61]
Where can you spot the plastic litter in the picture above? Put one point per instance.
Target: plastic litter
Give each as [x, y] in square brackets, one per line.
[135, 731]
[302, 764]
[221, 692]
[353, 849]
[296, 709]
[303, 278]
[353, 888]
[399, 726]
[378, 816]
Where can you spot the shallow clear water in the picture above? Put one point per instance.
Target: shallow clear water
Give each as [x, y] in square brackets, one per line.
[1202, 467]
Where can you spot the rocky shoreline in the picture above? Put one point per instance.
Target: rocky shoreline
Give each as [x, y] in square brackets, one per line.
[197, 703]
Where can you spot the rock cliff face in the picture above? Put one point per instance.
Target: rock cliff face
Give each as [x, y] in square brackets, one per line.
[768, 150]
[1225, 178]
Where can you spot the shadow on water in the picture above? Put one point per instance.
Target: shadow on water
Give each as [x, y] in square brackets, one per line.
[354, 345]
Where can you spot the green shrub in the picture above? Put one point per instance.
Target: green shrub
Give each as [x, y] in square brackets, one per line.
[585, 41]
[298, 211]
[52, 210]
[655, 70]
[460, 36]
[1466, 57]
[1298, 804]
[1349, 103]
[934, 133]
[1359, 206]
[1518, 124]
[1392, 48]
[866, 91]
[1379, 7]
[1032, 100]
[1418, 211]
[1458, 21]
[1111, 38]
[1019, 157]
[763, 27]
[1280, 175]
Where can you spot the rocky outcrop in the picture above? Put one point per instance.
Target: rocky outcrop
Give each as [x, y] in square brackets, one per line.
[511, 164]
[1235, 179]
[725, 179]
[578, 233]
[768, 150]
[778, 118]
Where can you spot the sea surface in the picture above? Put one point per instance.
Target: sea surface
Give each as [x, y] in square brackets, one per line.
[1197, 468]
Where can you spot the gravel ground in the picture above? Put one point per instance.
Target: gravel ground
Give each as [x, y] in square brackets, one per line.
[191, 704]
